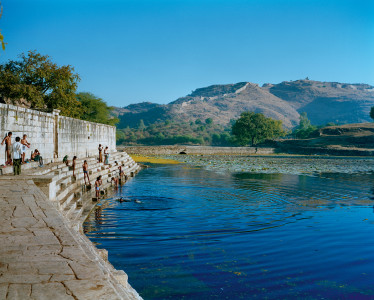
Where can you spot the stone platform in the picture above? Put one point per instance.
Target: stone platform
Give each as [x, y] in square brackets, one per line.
[42, 257]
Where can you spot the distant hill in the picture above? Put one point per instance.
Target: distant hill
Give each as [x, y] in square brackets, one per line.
[324, 102]
[349, 139]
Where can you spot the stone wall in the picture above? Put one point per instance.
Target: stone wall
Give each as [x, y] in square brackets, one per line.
[53, 135]
[82, 138]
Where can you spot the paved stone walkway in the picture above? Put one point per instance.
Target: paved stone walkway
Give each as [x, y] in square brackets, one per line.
[42, 258]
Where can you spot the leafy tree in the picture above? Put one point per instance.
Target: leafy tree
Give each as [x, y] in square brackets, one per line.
[372, 113]
[304, 122]
[94, 109]
[209, 121]
[198, 122]
[305, 129]
[42, 83]
[120, 136]
[253, 128]
[216, 139]
[141, 125]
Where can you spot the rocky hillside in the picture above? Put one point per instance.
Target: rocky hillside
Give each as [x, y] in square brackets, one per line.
[349, 139]
[324, 102]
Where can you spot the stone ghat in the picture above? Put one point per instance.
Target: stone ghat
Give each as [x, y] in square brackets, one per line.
[43, 254]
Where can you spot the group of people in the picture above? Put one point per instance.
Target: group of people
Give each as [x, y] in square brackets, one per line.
[106, 154]
[116, 180]
[98, 182]
[85, 164]
[15, 153]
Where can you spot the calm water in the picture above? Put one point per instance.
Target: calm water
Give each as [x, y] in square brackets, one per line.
[201, 235]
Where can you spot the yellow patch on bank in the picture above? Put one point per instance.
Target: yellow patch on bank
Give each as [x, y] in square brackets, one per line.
[153, 160]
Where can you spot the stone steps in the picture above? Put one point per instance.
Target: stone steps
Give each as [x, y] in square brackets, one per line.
[34, 165]
[69, 204]
[70, 194]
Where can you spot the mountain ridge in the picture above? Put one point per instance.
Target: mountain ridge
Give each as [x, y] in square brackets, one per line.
[324, 102]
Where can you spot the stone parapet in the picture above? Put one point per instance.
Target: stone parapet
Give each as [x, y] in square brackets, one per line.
[53, 135]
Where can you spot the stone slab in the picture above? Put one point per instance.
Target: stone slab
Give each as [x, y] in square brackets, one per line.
[42, 257]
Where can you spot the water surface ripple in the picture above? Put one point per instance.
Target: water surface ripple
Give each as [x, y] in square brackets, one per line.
[198, 234]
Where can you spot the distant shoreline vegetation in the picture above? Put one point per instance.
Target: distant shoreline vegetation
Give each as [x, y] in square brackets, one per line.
[171, 132]
[250, 129]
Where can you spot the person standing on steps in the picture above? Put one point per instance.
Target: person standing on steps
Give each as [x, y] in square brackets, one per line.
[85, 172]
[106, 154]
[25, 144]
[8, 145]
[17, 156]
[120, 171]
[115, 181]
[97, 187]
[100, 153]
[73, 164]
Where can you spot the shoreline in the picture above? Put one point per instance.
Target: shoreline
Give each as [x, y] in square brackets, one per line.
[218, 150]
[42, 216]
[278, 164]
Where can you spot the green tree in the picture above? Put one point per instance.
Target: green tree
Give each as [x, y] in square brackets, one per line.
[372, 113]
[141, 125]
[253, 128]
[305, 129]
[216, 139]
[94, 109]
[209, 121]
[120, 136]
[42, 83]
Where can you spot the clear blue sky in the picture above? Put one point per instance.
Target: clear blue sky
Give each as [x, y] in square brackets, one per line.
[132, 51]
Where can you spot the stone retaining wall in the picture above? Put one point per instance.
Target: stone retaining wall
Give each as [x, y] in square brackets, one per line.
[53, 135]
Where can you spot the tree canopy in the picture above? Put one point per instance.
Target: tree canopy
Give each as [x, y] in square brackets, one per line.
[305, 129]
[253, 128]
[42, 83]
[94, 109]
[372, 113]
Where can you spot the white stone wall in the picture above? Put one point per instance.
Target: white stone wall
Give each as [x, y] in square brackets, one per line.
[38, 126]
[82, 138]
[75, 137]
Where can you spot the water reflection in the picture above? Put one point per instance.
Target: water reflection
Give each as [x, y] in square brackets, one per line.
[98, 218]
[198, 234]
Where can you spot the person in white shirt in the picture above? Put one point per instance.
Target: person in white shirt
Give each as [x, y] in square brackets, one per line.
[17, 156]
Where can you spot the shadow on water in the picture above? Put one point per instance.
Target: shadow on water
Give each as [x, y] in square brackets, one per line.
[197, 234]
